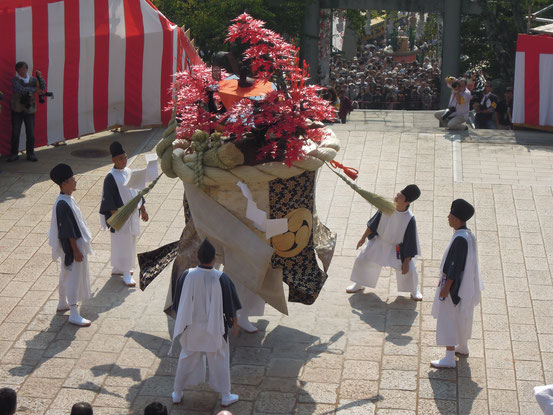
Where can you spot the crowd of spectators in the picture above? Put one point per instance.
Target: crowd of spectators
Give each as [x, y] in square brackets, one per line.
[8, 406]
[374, 80]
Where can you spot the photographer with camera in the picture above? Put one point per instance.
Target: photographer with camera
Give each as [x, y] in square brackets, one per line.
[457, 113]
[25, 87]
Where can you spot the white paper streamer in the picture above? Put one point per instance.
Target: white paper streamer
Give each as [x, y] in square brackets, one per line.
[271, 227]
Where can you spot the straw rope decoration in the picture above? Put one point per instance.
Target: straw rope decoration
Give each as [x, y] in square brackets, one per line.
[186, 169]
[198, 168]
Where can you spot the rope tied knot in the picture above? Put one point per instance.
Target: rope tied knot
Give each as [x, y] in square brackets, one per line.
[349, 171]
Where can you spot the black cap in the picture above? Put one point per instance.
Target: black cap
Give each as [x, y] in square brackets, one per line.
[206, 252]
[116, 149]
[462, 209]
[61, 173]
[411, 193]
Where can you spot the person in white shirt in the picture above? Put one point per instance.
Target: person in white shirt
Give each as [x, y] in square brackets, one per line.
[457, 113]
[206, 303]
[392, 241]
[70, 239]
[114, 195]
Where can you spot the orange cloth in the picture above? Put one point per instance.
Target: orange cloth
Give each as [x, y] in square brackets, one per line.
[230, 92]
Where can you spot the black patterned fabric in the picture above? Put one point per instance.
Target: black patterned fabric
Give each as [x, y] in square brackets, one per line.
[186, 253]
[152, 263]
[300, 272]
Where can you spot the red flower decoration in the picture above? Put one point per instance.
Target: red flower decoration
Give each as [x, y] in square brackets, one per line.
[284, 115]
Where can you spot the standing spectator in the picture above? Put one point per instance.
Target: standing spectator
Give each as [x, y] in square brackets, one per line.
[456, 114]
[345, 106]
[505, 110]
[155, 408]
[82, 408]
[8, 401]
[25, 87]
[485, 109]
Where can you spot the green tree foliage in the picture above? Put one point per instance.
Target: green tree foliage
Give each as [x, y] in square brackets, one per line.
[489, 40]
[356, 21]
[411, 37]
[208, 20]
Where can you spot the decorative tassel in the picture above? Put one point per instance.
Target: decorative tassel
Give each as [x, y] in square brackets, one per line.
[117, 220]
[384, 205]
[350, 171]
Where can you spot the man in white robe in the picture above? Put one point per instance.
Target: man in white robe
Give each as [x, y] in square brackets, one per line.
[205, 303]
[394, 242]
[70, 238]
[459, 290]
[114, 195]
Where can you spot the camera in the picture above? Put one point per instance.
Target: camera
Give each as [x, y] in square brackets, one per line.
[42, 97]
[455, 84]
[448, 112]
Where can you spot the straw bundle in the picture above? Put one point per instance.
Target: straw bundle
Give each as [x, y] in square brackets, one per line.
[117, 220]
[384, 205]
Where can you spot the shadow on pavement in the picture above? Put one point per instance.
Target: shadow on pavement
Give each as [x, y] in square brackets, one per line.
[18, 177]
[454, 390]
[262, 365]
[60, 334]
[395, 318]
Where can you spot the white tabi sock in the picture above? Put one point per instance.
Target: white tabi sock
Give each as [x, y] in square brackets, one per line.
[446, 362]
[128, 280]
[229, 399]
[244, 322]
[75, 317]
[354, 288]
[416, 295]
[177, 396]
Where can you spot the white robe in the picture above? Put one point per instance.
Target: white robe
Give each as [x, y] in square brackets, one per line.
[544, 396]
[200, 329]
[74, 281]
[454, 325]
[381, 251]
[123, 241]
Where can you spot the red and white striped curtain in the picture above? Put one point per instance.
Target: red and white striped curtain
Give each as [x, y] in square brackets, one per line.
[108, 63]
[533, 90]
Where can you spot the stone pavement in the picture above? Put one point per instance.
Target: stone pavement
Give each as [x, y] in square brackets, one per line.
[366, 353]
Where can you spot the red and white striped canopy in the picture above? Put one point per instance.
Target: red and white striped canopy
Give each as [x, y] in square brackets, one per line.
[533, 91]
[108, 63]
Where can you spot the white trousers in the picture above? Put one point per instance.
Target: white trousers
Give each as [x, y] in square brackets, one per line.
[74, 282]
[252, 304]
[452, 328]
[456, 123]
[123, 250]
[366, 273]
[191, 370]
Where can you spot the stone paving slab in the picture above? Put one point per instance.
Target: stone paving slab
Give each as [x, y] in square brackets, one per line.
[366, 353]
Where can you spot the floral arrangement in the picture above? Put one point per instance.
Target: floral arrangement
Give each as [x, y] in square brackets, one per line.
[281, 123]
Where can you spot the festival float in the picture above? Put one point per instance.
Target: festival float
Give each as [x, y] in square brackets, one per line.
[247, 139]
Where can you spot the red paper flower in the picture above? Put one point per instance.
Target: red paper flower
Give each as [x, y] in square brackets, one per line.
[283, 116]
